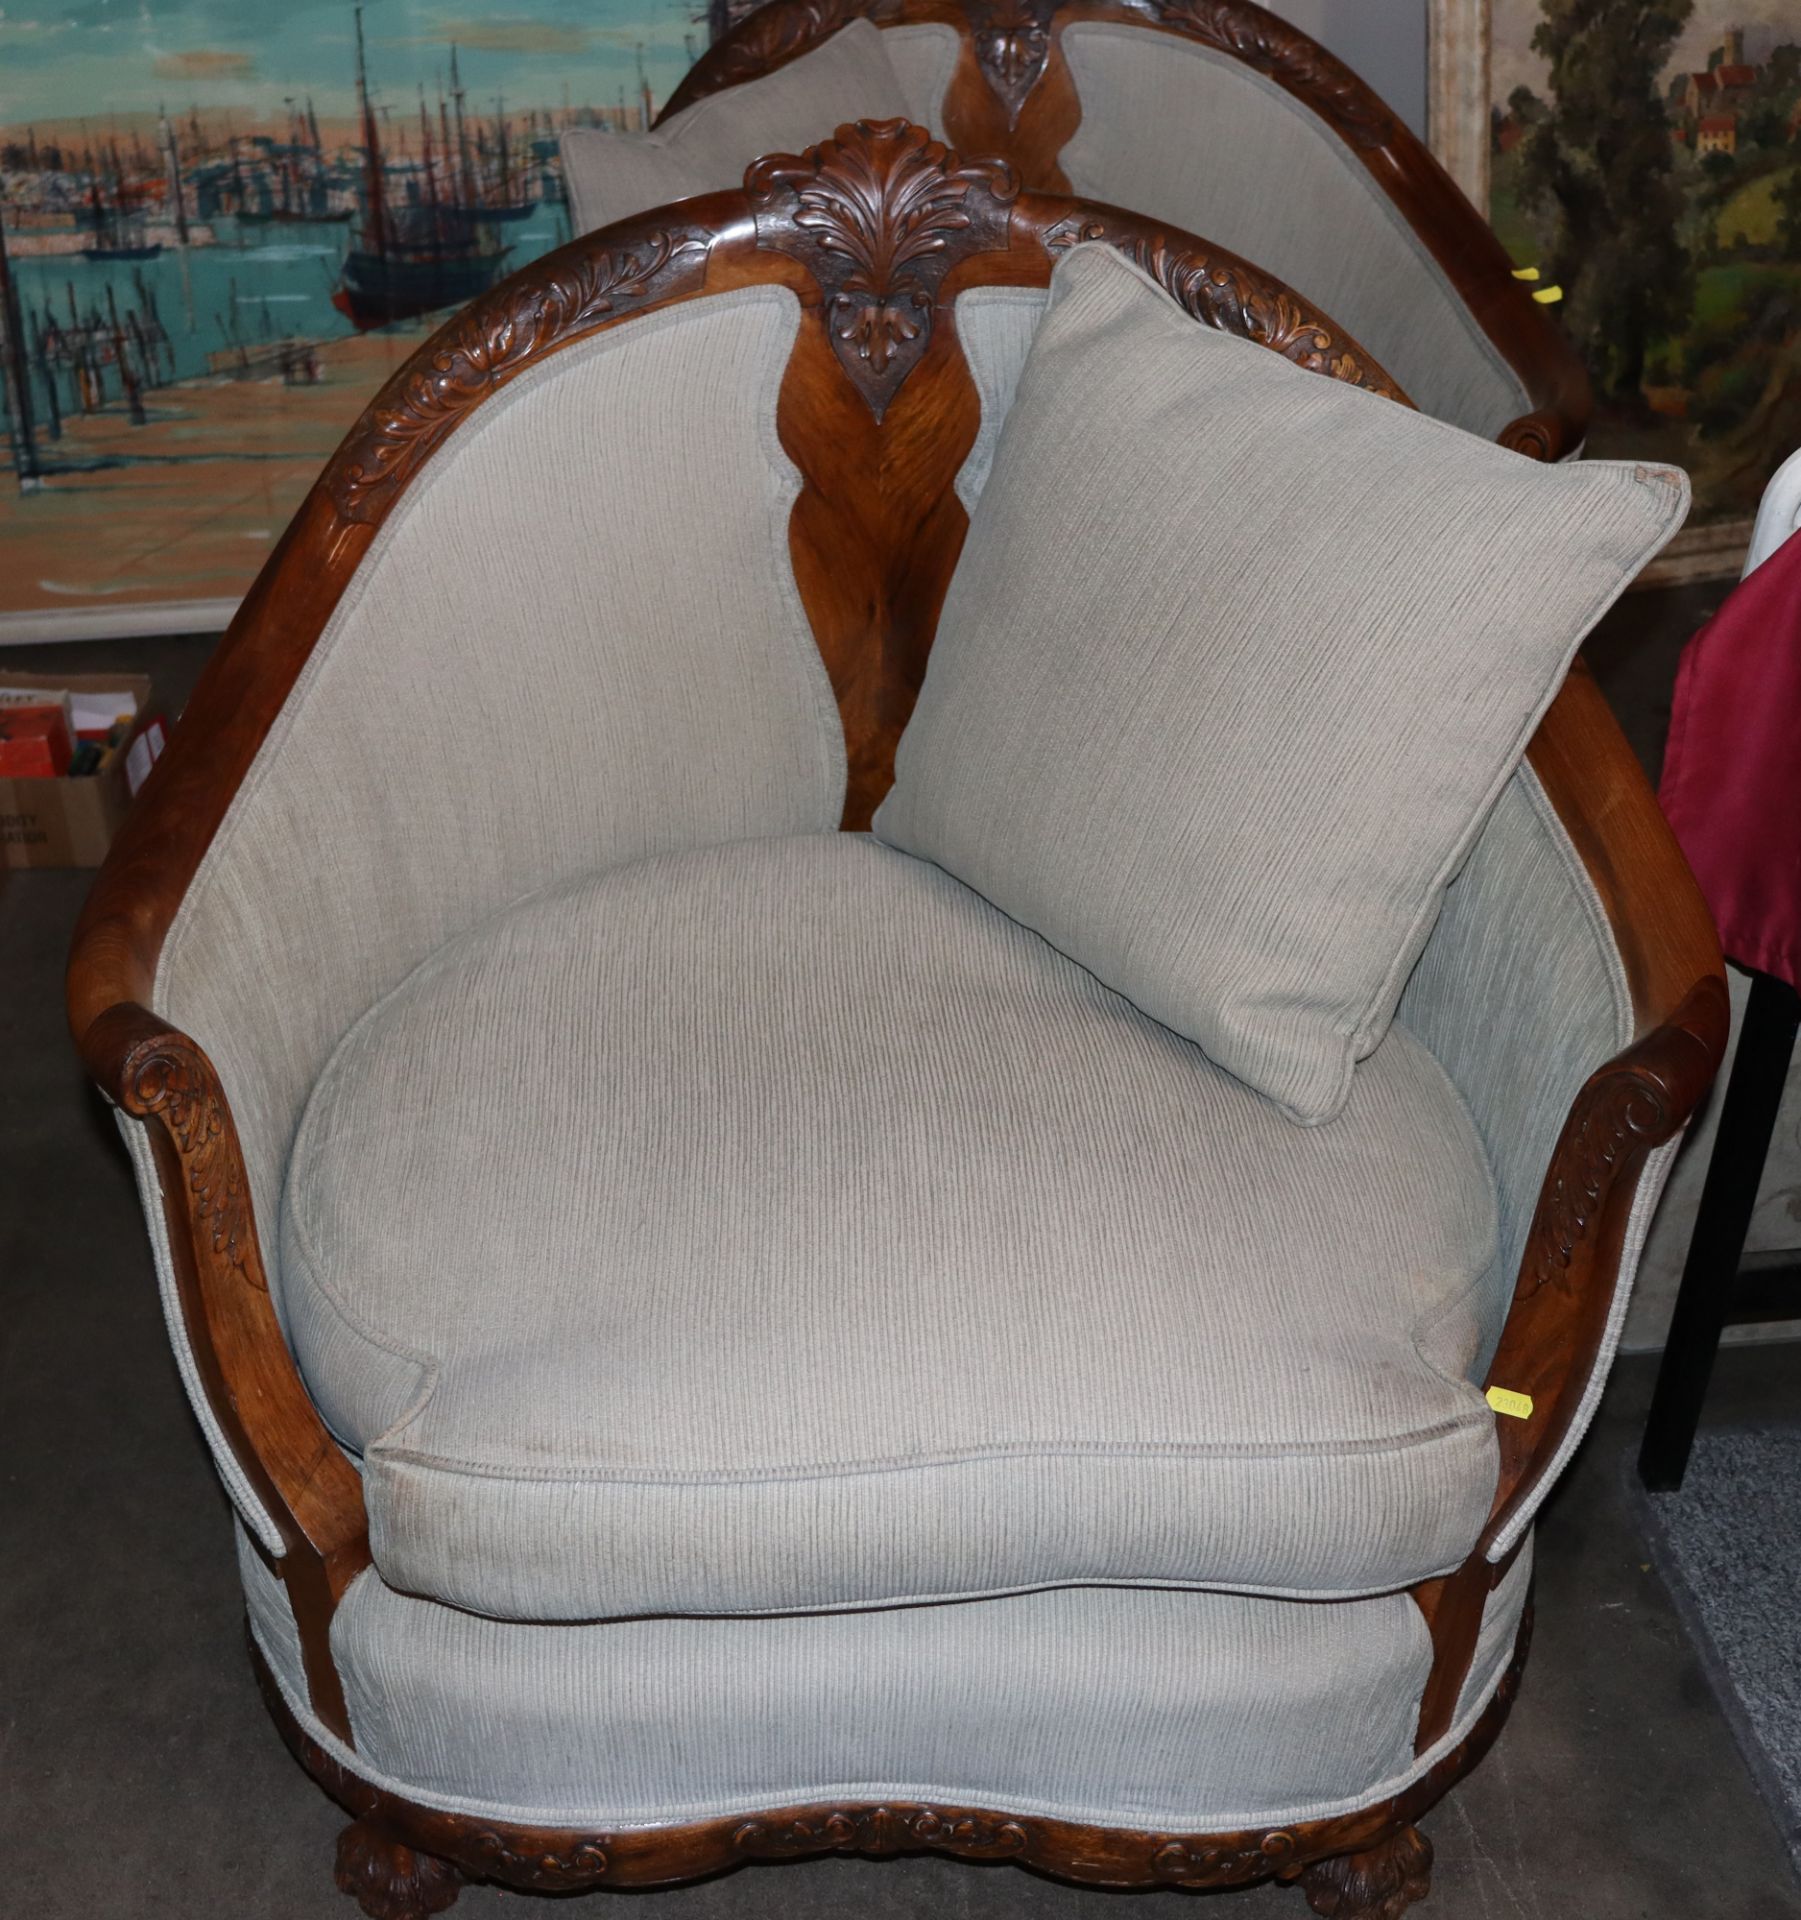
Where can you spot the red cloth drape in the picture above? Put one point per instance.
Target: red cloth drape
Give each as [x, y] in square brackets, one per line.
[1732, 769]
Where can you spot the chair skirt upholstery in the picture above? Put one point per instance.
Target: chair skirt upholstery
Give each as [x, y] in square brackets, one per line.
[1126, 1707]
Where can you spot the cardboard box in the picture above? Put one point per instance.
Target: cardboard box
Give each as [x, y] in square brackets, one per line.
[36, 741]
[68, 823]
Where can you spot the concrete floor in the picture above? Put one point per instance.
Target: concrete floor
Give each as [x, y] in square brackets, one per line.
[138, 1776]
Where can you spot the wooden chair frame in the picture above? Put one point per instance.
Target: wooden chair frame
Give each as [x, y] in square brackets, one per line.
[1012, 96]
[875, 231]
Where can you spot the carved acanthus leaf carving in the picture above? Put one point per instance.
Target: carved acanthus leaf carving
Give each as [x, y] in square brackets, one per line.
[1188, 1863]
[972, 1836]
[1222, 291]
[551, 303]
[1621, 1117]
[1013, 43]
[1295, 62]
[170, 1079]
[550, 1869]
[878, 214]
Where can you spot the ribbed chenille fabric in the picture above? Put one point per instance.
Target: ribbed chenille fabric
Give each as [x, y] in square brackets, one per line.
[995, 326]
[1192, 136]
[1520, 996]
[1235, 662]
[541, 668]
[820, 1237]
[1124, 1707]
[708, 146]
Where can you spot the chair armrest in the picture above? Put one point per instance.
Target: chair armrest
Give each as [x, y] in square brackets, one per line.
[1590, 1221]
[264, 1417]
[1604, 1178]
[1559, 1324]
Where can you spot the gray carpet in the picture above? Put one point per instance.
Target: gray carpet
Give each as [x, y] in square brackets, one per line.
[1729, 1545]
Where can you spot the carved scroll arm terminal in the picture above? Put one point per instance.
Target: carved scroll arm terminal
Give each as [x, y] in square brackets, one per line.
[1565, 1292]
[160, 1076]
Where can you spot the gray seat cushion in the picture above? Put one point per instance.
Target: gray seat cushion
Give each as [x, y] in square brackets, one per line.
[779, 1226]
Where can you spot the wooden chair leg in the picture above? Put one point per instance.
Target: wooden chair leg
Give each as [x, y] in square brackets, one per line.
[1748, 1114]
[1380, 1883]
[390, 1880]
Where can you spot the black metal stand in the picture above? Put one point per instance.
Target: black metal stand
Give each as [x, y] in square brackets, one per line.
[1715, 1290]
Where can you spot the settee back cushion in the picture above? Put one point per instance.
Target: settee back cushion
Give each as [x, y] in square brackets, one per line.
[1235, 662]
[708, 146]
[576, 640]
[1204, 141]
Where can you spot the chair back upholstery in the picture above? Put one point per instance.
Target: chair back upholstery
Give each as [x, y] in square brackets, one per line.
[1221, 118]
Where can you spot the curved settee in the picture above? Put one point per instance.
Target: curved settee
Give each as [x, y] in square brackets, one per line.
[618, 1503]
[1223, 119]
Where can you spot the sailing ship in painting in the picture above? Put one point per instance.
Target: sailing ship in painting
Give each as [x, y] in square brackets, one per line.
[299, 187]
[435, 249]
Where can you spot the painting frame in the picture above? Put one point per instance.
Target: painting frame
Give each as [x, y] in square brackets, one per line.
[1460, 93]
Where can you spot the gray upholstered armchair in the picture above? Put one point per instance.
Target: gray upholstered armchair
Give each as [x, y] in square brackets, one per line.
[648, 1262]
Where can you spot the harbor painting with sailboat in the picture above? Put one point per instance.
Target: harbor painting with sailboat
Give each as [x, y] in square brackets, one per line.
[221, 227]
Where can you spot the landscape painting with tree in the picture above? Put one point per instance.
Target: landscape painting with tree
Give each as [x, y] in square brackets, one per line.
[222, 225]
[1645, 156]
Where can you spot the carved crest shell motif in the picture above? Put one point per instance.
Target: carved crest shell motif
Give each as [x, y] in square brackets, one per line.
[878, 214]
[1013, 43]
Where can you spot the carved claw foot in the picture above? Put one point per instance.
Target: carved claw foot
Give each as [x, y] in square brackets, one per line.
[387, 1879]
[1378, 1884]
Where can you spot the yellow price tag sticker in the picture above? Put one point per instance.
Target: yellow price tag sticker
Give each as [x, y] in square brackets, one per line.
[1516, 1405]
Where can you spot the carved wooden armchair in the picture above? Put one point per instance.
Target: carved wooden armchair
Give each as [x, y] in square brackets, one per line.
[645, 549]
[1225, 120]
